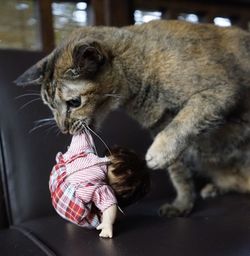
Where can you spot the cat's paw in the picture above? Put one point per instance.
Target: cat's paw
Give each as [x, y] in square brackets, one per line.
[154, 161]
[157, 156]
[209, 191]
[164, 151]
[172, 210]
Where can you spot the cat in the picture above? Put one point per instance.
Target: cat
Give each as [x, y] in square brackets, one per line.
[187, 83]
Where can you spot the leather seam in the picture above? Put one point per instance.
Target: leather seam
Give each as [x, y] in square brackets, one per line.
[35, 240]
[5, 181]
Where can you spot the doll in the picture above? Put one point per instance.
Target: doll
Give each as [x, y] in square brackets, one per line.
[87, 189]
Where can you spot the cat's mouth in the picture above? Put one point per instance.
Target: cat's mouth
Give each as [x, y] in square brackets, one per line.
[80, 126]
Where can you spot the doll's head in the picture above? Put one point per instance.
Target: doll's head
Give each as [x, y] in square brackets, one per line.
[127, 175]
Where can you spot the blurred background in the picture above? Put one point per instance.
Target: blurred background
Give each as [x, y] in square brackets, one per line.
[40, 25]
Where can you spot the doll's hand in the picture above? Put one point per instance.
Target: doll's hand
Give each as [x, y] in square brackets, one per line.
[107, 230]
[108, 219]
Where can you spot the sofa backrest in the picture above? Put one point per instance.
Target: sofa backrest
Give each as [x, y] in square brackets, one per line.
[26, 157]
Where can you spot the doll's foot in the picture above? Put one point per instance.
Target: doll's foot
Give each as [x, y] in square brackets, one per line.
[107, 231]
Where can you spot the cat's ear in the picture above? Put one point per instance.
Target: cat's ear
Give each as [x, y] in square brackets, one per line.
[88, 58]
[36, 74]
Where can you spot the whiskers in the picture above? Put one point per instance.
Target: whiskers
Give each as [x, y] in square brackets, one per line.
[80, 126]
[45, 122]
[27, 94]
[28, 103]
[99, 137]
[31, 94]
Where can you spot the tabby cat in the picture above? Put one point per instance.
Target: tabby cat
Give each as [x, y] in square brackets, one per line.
[189, 84]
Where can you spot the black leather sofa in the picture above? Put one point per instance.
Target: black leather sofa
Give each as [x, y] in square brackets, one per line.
[30, 227]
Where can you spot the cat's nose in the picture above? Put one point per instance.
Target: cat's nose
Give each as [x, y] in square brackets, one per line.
[64, 131]
[64, 127]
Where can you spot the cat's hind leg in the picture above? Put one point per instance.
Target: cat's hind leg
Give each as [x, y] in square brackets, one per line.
[183, 183]
[210, 190]
[227, 180]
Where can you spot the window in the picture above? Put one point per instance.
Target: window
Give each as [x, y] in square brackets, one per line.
[144, 16]
[222, 22]
[19, 25]
[67, 17]
[190, 17]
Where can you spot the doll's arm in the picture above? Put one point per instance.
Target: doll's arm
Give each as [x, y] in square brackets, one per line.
[108, 219]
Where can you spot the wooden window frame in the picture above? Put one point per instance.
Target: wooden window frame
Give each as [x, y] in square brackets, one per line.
[101, 12]
[46, 28]
[120, 13]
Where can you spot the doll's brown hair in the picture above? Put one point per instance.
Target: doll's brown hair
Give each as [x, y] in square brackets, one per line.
[130, 180]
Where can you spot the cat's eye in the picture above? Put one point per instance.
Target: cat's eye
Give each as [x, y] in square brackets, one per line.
[74, 103]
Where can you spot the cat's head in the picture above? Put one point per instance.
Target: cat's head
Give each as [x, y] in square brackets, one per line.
[78, 83]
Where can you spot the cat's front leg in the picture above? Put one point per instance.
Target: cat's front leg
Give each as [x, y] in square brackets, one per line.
[203, 111]
[183, 183]
[164, 150]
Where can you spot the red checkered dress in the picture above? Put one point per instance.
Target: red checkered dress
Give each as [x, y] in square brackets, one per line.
[77, 183]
